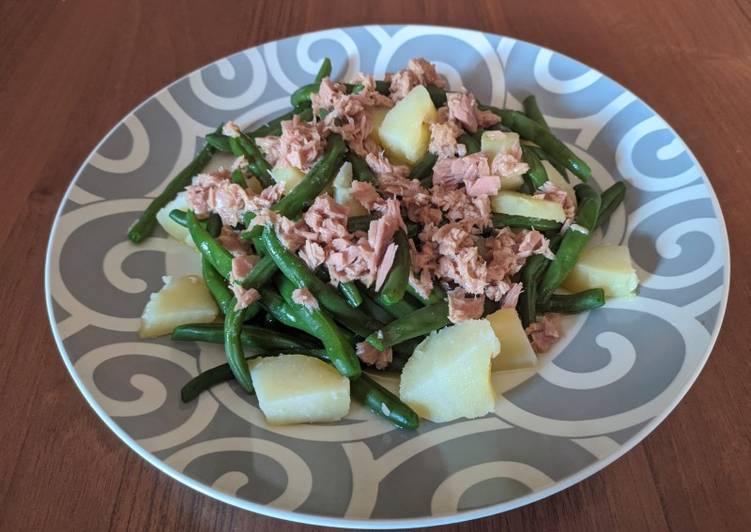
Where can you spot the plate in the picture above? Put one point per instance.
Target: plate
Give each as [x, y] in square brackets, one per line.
[615, 375]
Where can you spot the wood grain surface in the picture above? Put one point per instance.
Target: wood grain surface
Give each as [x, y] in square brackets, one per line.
[69, 70]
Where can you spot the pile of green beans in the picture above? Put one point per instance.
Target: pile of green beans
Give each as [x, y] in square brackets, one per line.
[396, 316]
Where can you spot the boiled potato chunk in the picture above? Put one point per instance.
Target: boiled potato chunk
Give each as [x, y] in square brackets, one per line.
[494, 142]
[404, 132]
[508, 202]
[448, 375]
[289, 175]
[174, 229]
[516, 351]
[558, 180]
[343, 191]
[182, 300]
[299, 389]
[607, 267]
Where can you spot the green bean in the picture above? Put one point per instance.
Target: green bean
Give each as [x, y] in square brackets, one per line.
[424, 167]
[316, 180]
[214, 225]
[360, 169]
[418, 323]
[398, 309]
[573, 242]
[252, 337]
[274, 127]
[215, 376]
[278, 308]
[536, 174]
[574, 303]
[295, 269]
[324, 71]
[403, 351]
[144, 226]
[380, 86]
[395, 284]
[532, 110]
[374, 309]
[301, 97]
[217, 286]
[218, 141]
[351, 293]
[437, 95]
[383, 402]
[544, 157]
[526, 306]
[610, 199]
[253, 153]
[524, 222]
[340, 352]
[305, 193]
[470, 142]
[233, 348]
[238, 178]
[436, 295]
[212, 250]
[261, 273]
[531, 130]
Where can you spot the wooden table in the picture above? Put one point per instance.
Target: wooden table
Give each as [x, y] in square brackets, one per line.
[69, 70]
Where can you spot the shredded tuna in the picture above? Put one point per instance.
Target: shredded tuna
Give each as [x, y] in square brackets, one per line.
[385, 266]
[292, 235]
[365, 194]
[313, 254]
[241, 163]
[487, 185]
[242, 266]
[463, 108]
[544, 333]
[511, 297]
[303, 296]
[508, 163]
[460, 260]
[381, 231]
[372, 356]
[401, 83]
[230, 129]
[352, 261]
[299, 146]
[426, 72]
[326, 219]
[347, 114]
[453, 172]
[534, 242]
[232, 242]
[244, 297]
[462, 308]
[443, 141]
[552, 192]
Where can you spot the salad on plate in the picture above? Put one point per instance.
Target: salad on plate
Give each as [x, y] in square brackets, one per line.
[383, 226]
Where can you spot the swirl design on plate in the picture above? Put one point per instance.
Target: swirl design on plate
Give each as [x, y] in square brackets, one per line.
[551, 426]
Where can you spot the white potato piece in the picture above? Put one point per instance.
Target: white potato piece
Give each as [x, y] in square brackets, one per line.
[494, 142]
[509, 202]
[299, 389]
[174, 229]
[289, 175]
[182, 300]
[448, 375]
[607, 267]
[516, 351]
[343, 191]
[557, 179]
[404, 132]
